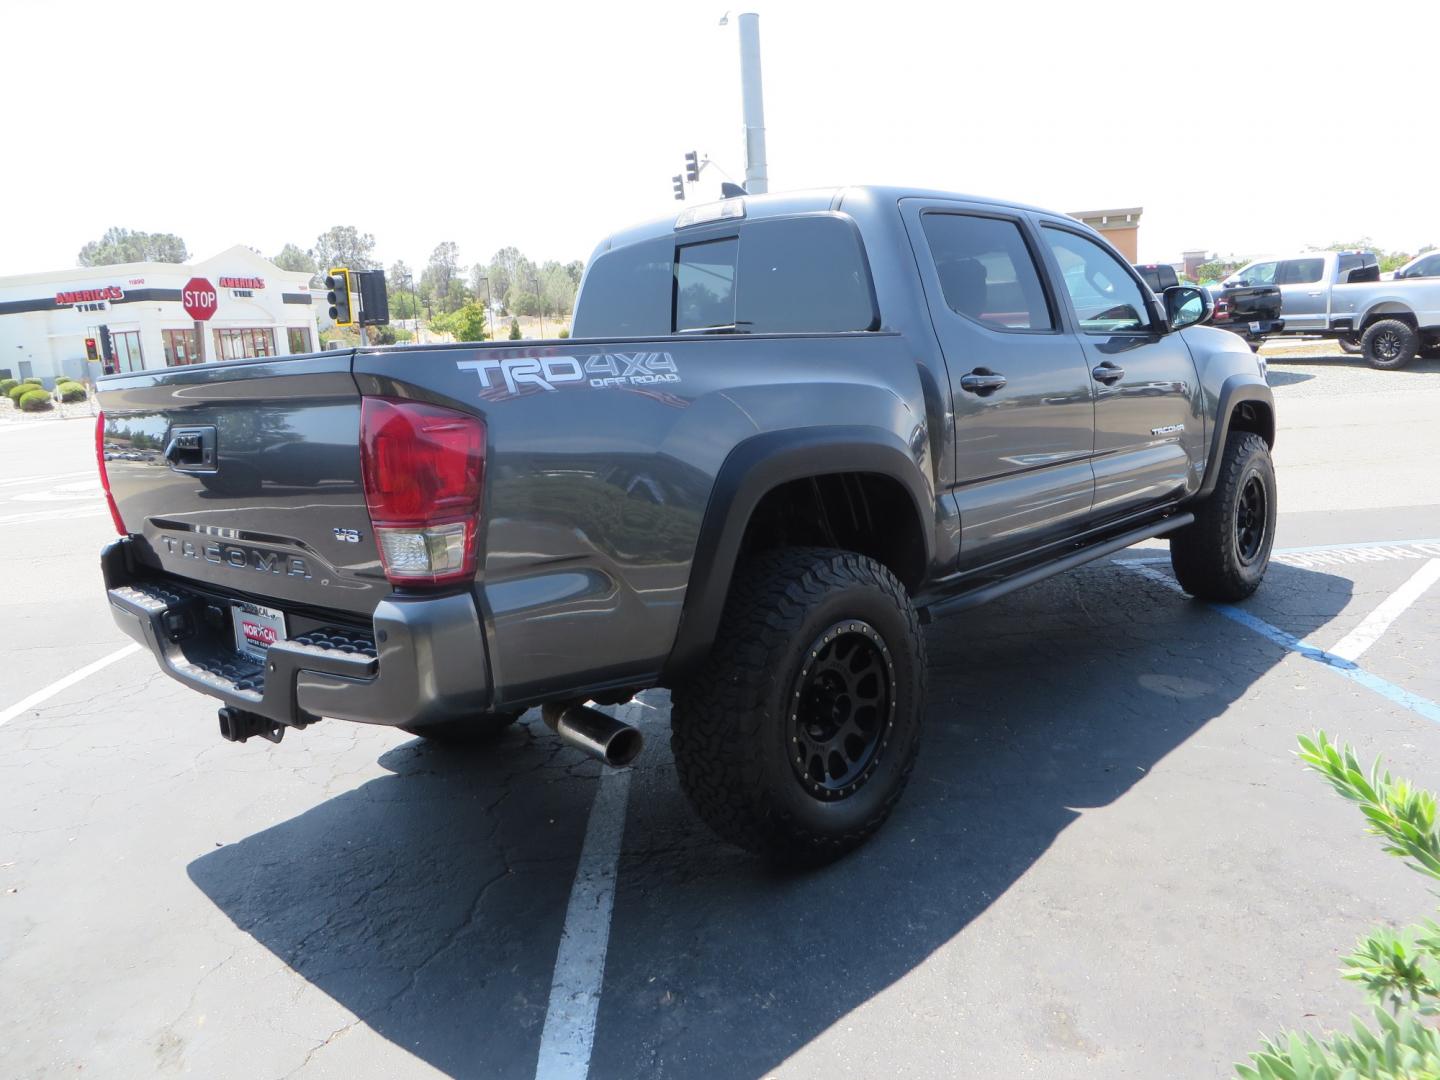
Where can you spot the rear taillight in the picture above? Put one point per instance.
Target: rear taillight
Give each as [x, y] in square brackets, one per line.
[105, 475]
[423, 468]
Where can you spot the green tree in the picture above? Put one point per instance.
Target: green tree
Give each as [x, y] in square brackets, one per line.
[557, 289]
[514, 329]
[399, 288]
[126, 245]
[1399, 969]
[1216, 269]
[466, 323]
[502, 271]
[344, 245]
[442, 275]
[295, 259]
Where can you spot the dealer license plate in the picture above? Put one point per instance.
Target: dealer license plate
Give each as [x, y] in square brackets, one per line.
[257, 628]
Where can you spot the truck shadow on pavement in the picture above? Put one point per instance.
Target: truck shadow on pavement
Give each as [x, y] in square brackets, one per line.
[430, 902]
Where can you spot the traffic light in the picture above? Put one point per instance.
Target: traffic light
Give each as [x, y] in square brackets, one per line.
[91, 350]
[107, 351]
[338, 282]
[679, 187]
[692, 167]
[374, 300]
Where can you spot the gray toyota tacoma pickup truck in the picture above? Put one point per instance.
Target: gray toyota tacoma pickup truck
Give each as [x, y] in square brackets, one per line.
[791, 429]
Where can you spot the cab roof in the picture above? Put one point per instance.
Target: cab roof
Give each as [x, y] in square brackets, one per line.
[812, 200]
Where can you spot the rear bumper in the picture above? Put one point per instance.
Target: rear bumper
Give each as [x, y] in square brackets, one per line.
[423, 661]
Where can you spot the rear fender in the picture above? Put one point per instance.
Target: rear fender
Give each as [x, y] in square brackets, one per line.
[755, 467]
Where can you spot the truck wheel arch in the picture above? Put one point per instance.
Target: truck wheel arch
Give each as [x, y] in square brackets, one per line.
[759, 468]
[1389, 309]
[1245, 404]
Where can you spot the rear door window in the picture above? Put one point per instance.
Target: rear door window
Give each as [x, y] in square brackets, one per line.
[1300, 271]
[986, 271]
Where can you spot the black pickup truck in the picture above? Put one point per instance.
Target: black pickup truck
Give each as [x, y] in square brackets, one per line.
[1252, 311]
[791, 430]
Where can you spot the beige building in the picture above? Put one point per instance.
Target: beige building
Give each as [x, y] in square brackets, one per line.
[1120, 227]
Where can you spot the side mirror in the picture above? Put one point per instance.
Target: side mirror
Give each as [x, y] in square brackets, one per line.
[1186, 306]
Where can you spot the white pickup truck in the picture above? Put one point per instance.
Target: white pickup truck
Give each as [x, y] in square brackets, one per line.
[1339, 294]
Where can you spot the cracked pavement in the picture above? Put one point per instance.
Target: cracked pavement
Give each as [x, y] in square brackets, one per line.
[1108, 862]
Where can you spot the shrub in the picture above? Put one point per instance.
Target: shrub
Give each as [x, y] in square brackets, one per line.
[70, 391]
[19, 390]
[564, 332]
[1399, 969]
[6, 385]
[514, 329]
[34, 382]
[36, 400]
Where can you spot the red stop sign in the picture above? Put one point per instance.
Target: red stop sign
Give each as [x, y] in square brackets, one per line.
[199, 299]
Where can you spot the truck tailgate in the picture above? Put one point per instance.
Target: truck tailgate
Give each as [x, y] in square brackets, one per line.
[246, 476]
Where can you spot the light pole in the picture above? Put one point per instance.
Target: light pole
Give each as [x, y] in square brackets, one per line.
[414, 302]
[489, 306]
[752, 97]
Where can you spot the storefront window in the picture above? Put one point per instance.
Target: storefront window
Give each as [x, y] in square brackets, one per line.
[181, 347]
[127, 350]
[244, 344]
[299, 339]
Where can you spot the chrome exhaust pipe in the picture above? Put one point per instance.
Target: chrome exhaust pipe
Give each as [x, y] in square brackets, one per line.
[598, 734]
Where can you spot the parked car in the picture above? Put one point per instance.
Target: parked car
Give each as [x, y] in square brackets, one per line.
[789, 430]
[1421, 266]
[1159, 276]
[1340, 295]
[1251, 312]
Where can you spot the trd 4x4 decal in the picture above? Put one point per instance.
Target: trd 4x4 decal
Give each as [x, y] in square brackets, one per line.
[602, 371]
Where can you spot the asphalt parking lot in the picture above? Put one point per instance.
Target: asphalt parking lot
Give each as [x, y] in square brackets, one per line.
[1108, 863]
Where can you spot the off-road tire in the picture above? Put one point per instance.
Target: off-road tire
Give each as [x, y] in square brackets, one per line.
[1212, 557]
[465, 730]
[734, 721]
[1350, 345]
[1389, 344]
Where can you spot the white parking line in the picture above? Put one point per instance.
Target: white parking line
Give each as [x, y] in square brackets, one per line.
[21, 481]
[1353, 644]
[33, 516]
[41, 696]
[569, 1032]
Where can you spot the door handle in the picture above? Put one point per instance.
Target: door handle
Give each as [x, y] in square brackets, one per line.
[982, 381]
[191, 449]
[1315, 294]
[1108, 372]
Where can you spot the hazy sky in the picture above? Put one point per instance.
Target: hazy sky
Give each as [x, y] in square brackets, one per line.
[1239, 127]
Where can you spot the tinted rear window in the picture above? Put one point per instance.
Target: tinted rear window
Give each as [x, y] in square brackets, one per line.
[986, 271]
[804, 274]
[627, 292]
[783, 275]
[1300, 271]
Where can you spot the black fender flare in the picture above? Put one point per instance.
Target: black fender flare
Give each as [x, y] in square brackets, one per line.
[752, 469]
[1234, 391]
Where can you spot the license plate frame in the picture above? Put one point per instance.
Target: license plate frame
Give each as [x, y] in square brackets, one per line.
[256, 628]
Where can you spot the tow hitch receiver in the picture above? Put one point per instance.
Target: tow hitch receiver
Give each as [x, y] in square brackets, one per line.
[237, 725]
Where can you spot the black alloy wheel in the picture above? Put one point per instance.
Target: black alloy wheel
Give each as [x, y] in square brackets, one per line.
[1251, 521]
[844, 702]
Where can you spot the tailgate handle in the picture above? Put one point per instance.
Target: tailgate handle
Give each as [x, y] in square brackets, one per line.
[191, 449]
